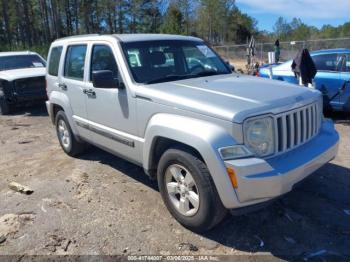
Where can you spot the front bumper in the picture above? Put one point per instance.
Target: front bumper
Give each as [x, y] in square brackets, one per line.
[28, 99]
[261, 180]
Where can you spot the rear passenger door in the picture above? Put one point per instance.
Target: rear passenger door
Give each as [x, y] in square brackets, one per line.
[72, 83]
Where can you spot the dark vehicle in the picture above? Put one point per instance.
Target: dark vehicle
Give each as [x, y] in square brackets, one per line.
[22, 80]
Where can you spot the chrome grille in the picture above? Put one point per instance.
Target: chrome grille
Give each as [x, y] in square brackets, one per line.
[296, 127]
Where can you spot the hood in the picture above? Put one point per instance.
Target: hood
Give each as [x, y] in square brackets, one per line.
[14, 74]
[230, 97]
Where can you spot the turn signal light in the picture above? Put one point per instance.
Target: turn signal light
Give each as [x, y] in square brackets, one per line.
[232, 174]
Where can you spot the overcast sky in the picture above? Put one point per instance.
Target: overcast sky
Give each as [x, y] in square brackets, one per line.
[312, 12]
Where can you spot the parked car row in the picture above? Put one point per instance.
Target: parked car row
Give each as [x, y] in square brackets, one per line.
[333, 70]
[215, 141]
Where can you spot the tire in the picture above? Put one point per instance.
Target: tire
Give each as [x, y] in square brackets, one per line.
[70, 145]
[5, 108]
[201, 216]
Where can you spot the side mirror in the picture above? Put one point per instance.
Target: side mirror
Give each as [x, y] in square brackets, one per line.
[104, 79]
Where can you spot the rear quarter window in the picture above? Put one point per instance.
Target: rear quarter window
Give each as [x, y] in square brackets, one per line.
[54, 60]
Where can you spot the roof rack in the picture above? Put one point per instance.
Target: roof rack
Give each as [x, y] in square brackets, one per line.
[77, 36]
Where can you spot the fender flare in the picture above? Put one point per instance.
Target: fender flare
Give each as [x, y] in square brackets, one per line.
[62, 100]
[203, 136]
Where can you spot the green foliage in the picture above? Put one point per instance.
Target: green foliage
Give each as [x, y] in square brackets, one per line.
[241, 27]
[173, 21]
[214, 19]
[34, 24]
[297, 30]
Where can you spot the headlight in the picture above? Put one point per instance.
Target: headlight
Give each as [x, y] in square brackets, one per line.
[259, 135]
[233, 152]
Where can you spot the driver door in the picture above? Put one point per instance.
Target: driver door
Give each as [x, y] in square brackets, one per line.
[110, 111]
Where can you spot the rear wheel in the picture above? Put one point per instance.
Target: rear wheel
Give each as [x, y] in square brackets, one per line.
[188, 191]
[66, 137]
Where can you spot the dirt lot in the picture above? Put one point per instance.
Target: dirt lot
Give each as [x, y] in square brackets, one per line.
[100, 204]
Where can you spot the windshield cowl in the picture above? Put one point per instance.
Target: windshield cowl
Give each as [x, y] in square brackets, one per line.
[170, 78]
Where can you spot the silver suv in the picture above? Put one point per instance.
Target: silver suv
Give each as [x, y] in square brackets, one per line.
[214, 140]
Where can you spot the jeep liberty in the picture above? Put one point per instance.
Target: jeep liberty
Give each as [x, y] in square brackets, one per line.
[214, 140]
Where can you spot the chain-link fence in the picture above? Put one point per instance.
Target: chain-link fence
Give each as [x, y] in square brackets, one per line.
[237, 54]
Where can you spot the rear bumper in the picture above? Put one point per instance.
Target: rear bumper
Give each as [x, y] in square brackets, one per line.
[49, 110]
[261, 180]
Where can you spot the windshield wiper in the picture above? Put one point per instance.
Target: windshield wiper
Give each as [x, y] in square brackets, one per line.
[208, 73]
[186, 76]
[168, 78]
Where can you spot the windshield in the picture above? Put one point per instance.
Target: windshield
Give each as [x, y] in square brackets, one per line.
[20, 61]
[162, 61]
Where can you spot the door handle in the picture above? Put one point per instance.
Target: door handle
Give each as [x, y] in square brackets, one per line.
[89, 92]
[63, 86]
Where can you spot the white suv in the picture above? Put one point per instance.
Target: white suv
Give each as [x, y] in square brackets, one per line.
[214, 140]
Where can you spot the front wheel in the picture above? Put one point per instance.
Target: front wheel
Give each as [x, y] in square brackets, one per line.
[188, 191]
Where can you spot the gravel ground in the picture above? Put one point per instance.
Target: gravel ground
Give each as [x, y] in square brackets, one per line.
[99, 204]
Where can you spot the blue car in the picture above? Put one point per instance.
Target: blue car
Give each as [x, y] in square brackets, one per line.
[333, 70]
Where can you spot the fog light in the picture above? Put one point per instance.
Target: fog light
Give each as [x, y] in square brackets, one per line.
[234, 152]
[232, 174]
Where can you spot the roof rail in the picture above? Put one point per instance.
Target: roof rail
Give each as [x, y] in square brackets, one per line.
[77, 36]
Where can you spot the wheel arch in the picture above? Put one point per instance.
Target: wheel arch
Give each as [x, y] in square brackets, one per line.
[60, 101]
[55, 109]
[160, 144]
[199, 137]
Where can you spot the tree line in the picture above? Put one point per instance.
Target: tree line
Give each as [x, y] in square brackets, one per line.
[296, 29]
[34, 24]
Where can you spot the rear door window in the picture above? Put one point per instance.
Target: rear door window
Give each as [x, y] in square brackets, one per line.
[54, 60]
[75, 61]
